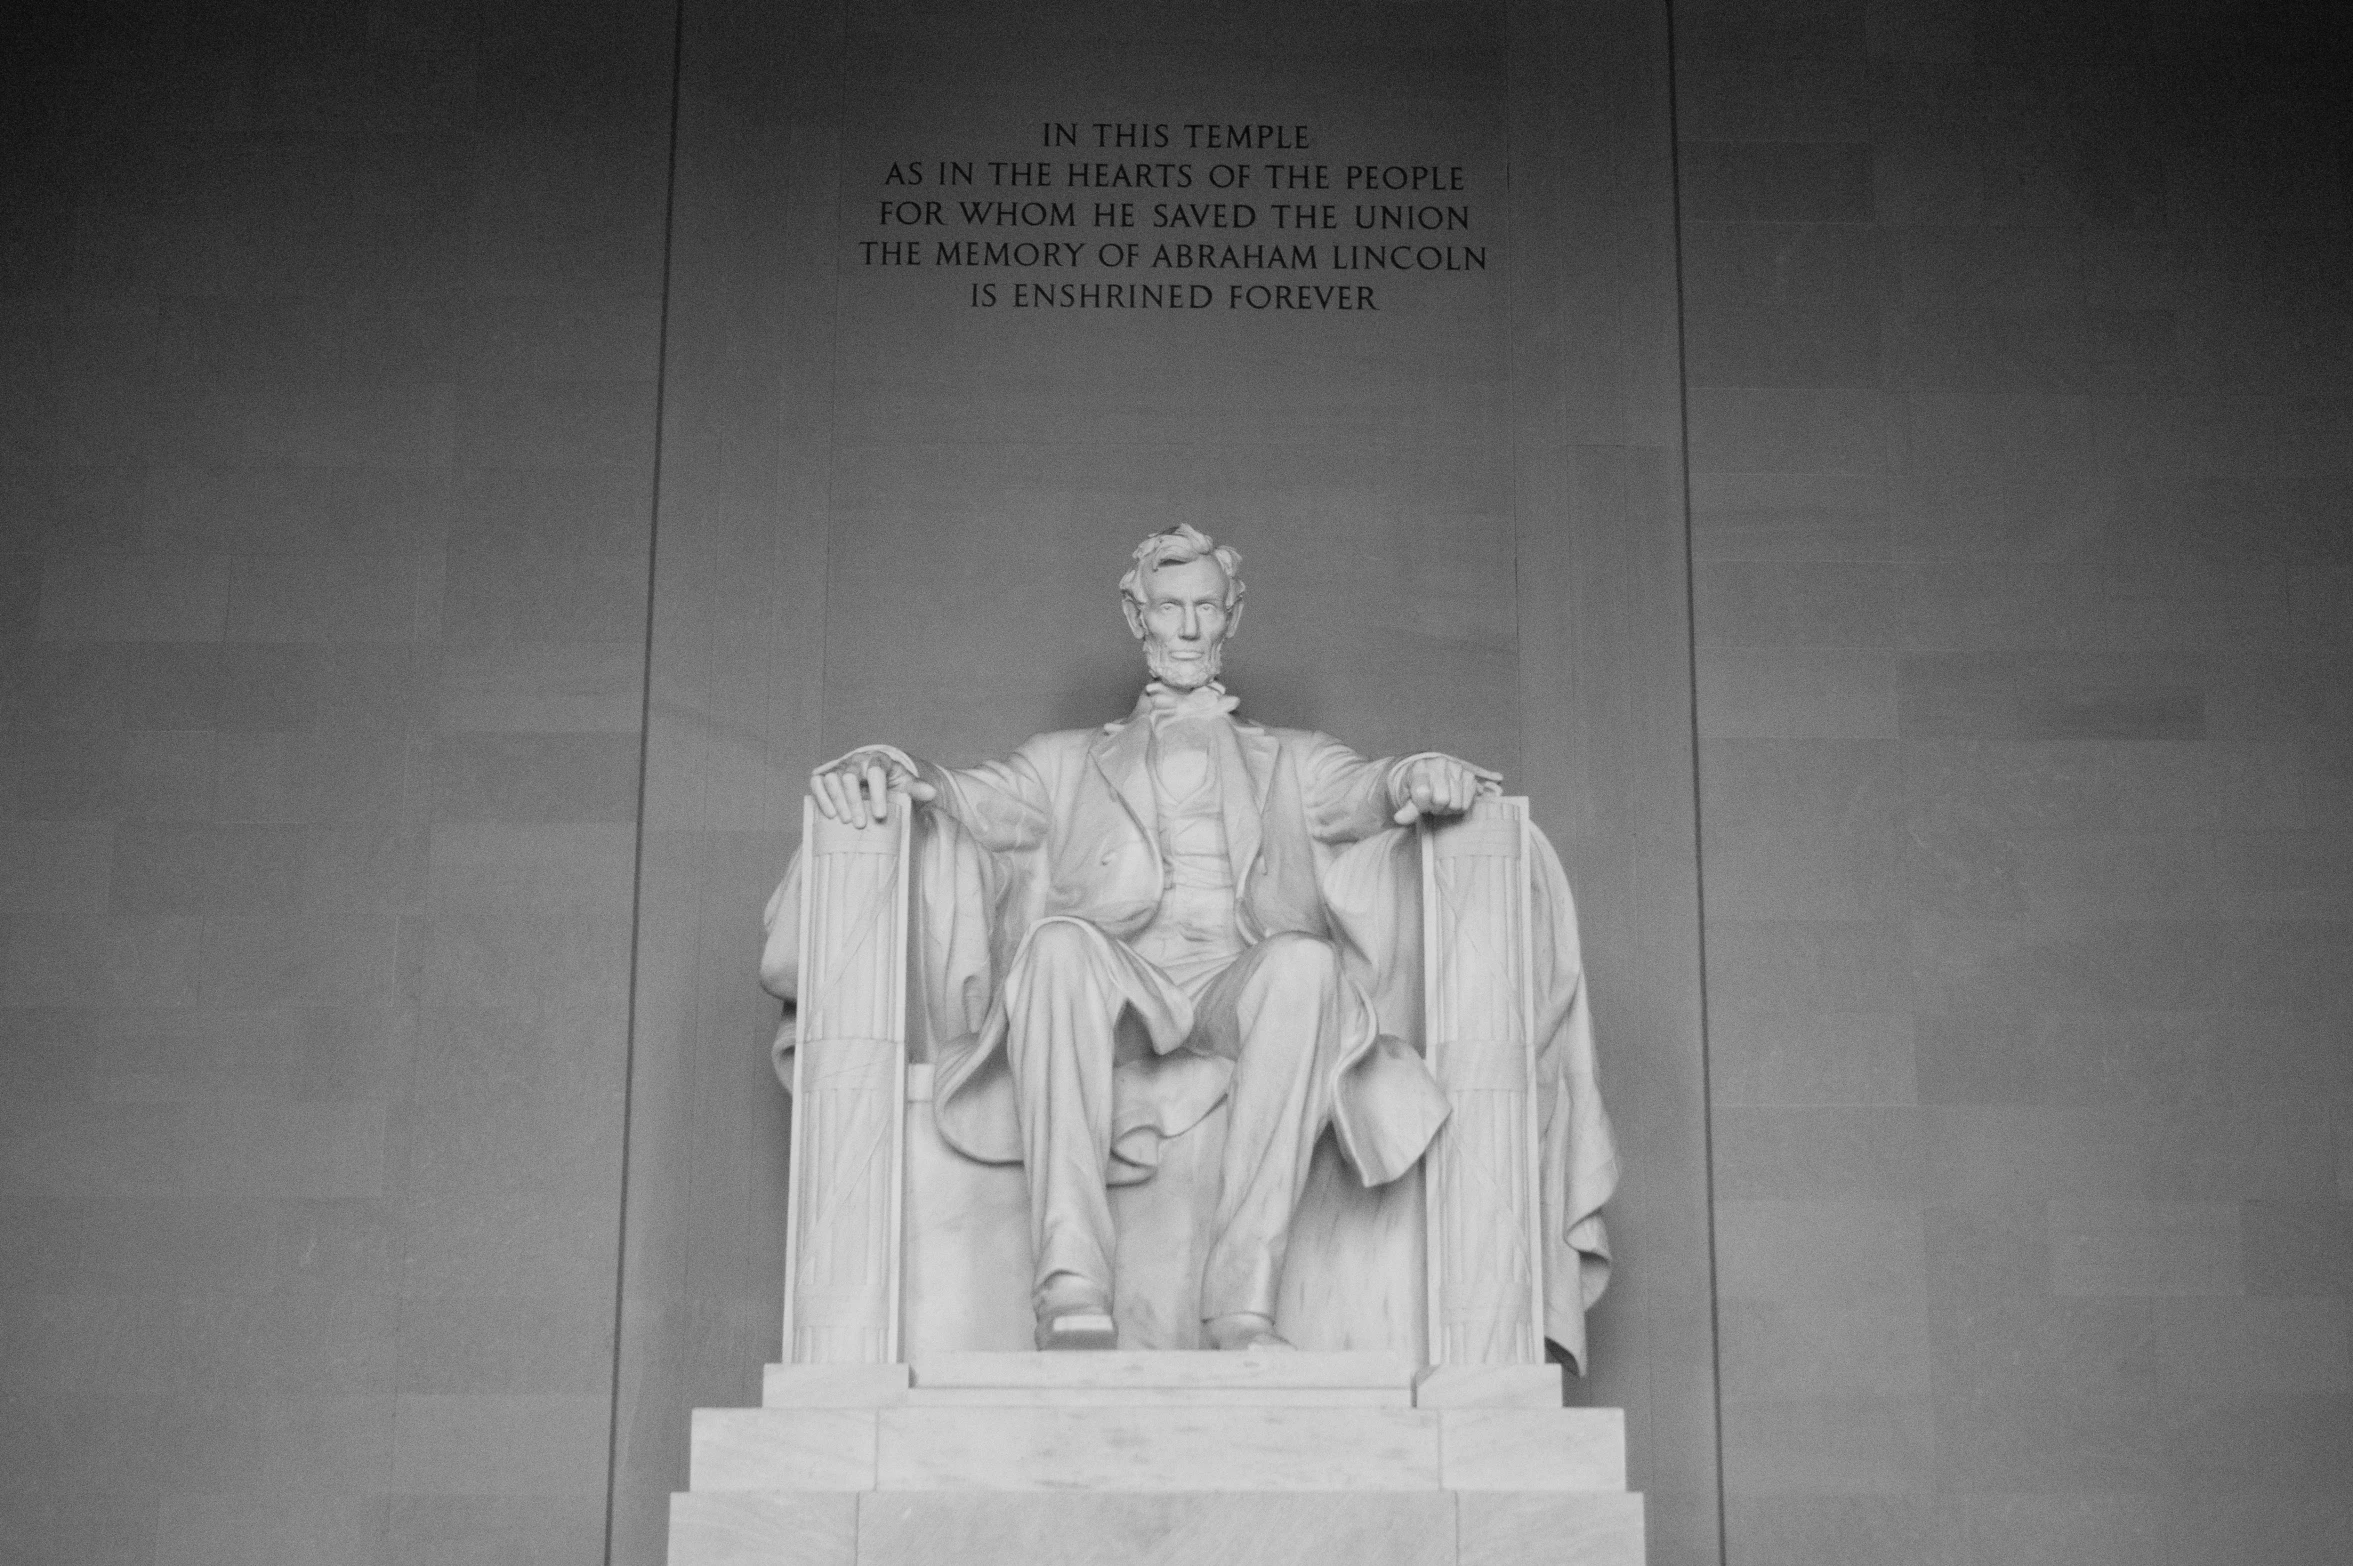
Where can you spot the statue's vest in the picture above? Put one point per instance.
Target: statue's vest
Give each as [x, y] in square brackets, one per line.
[1194, 933]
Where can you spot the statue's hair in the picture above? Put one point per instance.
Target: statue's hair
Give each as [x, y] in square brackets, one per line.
[1178, 546]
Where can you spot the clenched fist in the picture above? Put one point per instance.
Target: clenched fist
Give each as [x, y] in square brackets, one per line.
[1440, 786]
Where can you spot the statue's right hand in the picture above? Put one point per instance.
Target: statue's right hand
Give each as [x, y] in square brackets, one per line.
[858, 787]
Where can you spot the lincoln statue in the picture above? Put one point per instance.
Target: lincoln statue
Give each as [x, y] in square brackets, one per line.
[1124, 928]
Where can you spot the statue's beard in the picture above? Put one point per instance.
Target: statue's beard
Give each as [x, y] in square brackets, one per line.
[1184, 674]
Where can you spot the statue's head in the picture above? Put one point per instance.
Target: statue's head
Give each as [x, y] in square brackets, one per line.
[1183, 598]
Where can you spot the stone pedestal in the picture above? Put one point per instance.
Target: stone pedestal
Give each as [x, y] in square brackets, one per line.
[1176, 1457]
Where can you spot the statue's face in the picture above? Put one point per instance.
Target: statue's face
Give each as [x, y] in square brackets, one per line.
[1183, 622]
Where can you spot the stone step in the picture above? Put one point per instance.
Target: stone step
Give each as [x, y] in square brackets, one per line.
[1158, 1448]
[1174, 1528]
[1298, 1380]
[1125, 1377]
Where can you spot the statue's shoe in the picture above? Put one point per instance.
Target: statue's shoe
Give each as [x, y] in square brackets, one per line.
[1244, 1330]
[1080, 1328]
[1074, 1313]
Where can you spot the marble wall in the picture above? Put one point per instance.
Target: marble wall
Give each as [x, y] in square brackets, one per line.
[344, 342]
[331, 339]
[887, 514]
[2018, 354]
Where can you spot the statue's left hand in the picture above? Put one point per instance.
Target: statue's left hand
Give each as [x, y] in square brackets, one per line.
[856, 789]
[1442, 786]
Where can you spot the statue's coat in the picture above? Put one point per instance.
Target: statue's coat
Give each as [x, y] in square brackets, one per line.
[1065, 828]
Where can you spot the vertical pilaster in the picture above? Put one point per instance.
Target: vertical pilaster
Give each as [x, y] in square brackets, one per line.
[1484, 1274]
[841, 1303]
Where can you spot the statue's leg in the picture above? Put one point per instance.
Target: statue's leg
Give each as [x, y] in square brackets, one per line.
[1278, 1013]
[1063, 998]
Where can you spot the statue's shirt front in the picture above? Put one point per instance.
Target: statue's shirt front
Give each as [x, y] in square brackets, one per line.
[1195, 933]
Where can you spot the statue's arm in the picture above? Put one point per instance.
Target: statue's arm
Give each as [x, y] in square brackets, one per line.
[1349, 798]
[1003, 804]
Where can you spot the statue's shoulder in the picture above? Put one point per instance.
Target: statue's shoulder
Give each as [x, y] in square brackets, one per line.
[1303, 739]
[1058, 745]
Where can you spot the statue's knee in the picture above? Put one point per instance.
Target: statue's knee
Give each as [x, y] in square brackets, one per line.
[1300, 959]
[1061, 947]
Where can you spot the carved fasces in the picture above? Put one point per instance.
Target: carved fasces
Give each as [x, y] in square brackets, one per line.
[1486, 1280]
[849, 1082]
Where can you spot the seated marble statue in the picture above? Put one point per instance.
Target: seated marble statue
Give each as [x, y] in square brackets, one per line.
[1121, 928]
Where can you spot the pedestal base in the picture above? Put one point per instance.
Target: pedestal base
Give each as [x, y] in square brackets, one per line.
[1169, 1458]
[1180, 1528]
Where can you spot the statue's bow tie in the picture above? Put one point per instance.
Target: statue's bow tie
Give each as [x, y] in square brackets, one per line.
[1206, 701]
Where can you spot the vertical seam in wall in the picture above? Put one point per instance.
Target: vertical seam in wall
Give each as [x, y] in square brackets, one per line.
[645, 738]
[833, 404]
[1511, 360]
[1707, 1094]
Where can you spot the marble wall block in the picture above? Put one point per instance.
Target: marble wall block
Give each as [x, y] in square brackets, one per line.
[783, 1449]
[1131, 1448]
[320, 844]
[1531, 1449]
[1591, 1530]
[1179, 1530]
[1999, 1062]
[759, 1528]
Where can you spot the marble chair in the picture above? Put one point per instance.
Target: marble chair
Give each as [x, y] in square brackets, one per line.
[900, 1246]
